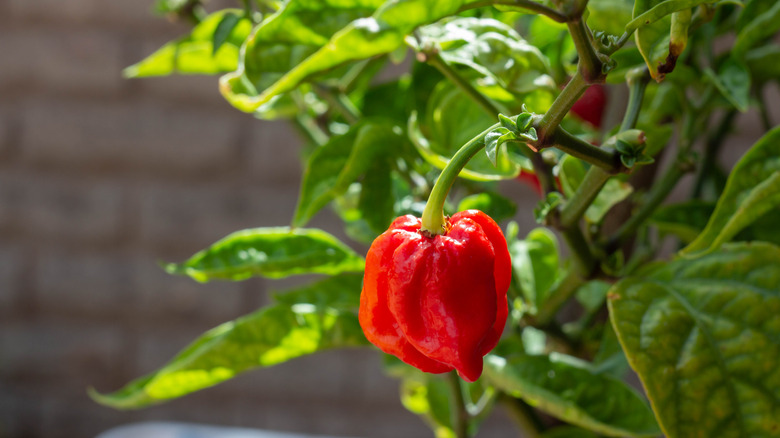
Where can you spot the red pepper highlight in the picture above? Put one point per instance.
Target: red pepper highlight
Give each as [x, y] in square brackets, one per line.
[437, 302]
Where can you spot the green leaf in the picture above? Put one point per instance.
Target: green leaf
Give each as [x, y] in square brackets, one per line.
[759, 28]
[733, 82]
[224, 29]
[492, 51]
[567, 388]
[647, 12]
[377, 202]
[572, 172]
[264, 338]
[341, 161]
[568, 432]
[197, 52]
[362, 38]
[764, 63]
[491, 203]
[535, 263]
[686, 220]
[272, 253]
[752, 190]
[283, 41]
[704, 337]
[341, 292]
[428, 397]
[451, 119]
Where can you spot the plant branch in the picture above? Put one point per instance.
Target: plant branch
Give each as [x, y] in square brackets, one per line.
[590, 65]
[586, 193]
[557, 297]
[606, 159]
[460, 416]
[341, 103]
[549, 122]
[522, 4]
[435, 60]
[711, 148]
[637, 83]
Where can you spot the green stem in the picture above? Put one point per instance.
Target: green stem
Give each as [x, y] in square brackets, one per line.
[558, 297]
[247, 8]
[637, 84]
[656, 196]
[524, 416]
[460, 416]
[310, 129]
[342, 104]
[547, 125]
[436, 61]
[589, 65]
[433, 216]
[586, 193]
[542, 170]
[523, 4]
[606, 159]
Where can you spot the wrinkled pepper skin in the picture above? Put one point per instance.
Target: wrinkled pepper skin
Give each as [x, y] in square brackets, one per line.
[437, 302]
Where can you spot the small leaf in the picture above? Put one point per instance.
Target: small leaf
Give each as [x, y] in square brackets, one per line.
[704, 337]
[535, 264]
[546, 206]
[270, 252]
[507, 123]
[493, 140]
[530, 135]
[752, 190]
[224, 29]
[491, 203]
[567, 388]
[733, 82]
[270, 336]
[524, 121]
[757, 29]
[628, 161]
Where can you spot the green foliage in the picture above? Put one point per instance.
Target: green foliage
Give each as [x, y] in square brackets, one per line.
[752, 190]
[211, 48]
[270, 252]
[703, 336]
[303, 322]
[535, 263]
[567, 388]
[572, 173]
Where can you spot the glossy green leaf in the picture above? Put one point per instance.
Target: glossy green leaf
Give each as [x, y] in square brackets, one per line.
[704, 337]
[362, 38]
[196, 53]
[752, 190]
[567, 388]
[647, 12]
[267, 337]
[733, 82]
[270, 252]
[335, 165]
[535, 263]
[492, 50]
[572, 172]
[758, 29]
[341, 292]
[428, 397]
[283, 41]
[491, 203]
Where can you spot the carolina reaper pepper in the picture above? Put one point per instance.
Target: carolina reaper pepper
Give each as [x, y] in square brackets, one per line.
[437, 301]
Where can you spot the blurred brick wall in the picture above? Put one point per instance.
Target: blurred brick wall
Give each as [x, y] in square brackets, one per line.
[100, 178]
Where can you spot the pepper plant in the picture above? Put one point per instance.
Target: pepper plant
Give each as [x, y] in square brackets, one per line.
[494, 90]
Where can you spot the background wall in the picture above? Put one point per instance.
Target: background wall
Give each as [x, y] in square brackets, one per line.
[100, 178]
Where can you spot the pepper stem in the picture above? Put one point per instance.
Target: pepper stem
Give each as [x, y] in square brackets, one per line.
[433, 220]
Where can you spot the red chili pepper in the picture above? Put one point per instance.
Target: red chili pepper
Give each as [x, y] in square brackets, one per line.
[437, 302]
[590, 107]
